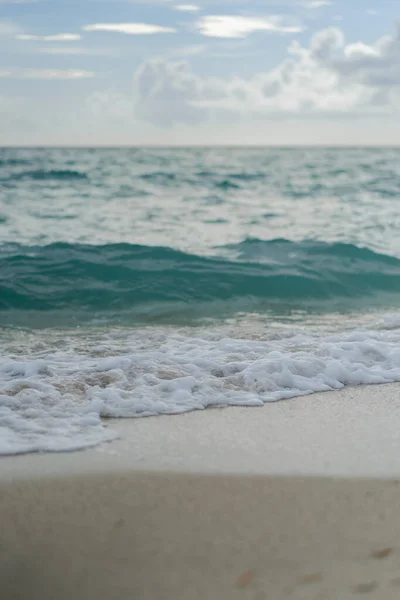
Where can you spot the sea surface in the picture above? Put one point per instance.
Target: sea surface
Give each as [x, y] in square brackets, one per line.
[139, 282]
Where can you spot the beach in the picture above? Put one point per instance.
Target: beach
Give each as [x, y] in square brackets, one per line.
[303, 505]
[353, 432]
[165, 317]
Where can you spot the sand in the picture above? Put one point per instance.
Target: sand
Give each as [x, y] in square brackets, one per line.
[214, 505]
[138, 536]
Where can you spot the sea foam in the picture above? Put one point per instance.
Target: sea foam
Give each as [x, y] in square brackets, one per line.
[55, 400]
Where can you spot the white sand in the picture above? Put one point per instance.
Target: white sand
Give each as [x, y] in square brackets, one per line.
[128, 521]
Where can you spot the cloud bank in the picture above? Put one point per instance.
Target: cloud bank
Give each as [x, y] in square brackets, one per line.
[329, 77]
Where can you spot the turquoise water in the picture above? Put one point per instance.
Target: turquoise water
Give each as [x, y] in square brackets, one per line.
[167, 231]
[130, 284]
[290, 257]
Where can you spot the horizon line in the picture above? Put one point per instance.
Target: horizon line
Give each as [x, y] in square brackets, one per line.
[184, 146]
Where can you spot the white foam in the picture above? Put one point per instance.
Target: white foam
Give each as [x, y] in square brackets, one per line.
[389, 322]
[55, 390]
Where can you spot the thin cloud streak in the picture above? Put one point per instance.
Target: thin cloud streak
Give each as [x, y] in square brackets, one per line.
[318, 4]
[187, 7]
[129, 28]
[59, 37]
[48, 74]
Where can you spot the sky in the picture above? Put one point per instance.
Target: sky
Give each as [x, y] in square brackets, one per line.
[199, 72]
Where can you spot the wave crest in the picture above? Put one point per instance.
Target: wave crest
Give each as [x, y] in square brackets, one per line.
[45, 175]
[125, 277]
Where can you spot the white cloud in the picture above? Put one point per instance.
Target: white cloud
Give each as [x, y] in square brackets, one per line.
[372, 12]
[328, 78]
[318, 4]
[187, 7]
[371, 65]
[57, 74]
[324, 44]
[129, 28]
[48, 74]
[4, 73]
[175, 83]
[359, 50]
[58, 37]
[233, 26]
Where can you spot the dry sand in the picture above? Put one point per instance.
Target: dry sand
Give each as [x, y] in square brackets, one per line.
[160, 514]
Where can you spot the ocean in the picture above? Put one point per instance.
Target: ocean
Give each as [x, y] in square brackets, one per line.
[138, 282]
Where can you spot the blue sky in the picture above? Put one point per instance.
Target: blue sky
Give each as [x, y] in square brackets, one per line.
[111, 72]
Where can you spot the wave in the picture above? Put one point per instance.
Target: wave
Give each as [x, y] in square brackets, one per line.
[14, 162]
[159, 177]
[44, 175]
[124, 277]
[225, 182]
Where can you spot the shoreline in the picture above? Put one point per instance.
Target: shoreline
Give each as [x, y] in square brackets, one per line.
[297, 499]
[352, 432]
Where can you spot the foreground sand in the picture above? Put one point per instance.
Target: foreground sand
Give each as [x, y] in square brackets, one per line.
[170, 511]
[137, 536]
